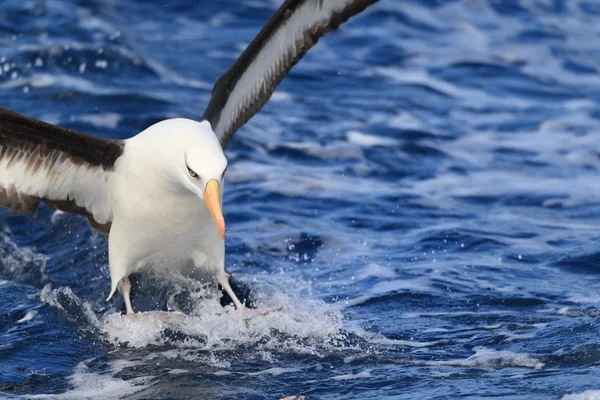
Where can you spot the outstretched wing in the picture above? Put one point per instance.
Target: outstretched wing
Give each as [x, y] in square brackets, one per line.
[65, 169]
[249, 83]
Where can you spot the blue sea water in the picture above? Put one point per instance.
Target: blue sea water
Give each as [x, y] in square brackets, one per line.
[421, 193]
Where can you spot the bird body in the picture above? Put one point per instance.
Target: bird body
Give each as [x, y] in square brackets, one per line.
[158, 221]
[158, 194]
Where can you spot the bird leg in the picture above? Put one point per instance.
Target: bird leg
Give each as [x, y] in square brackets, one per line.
[223, 280]
[124, 288]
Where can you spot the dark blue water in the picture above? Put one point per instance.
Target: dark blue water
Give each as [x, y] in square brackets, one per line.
[422, 194]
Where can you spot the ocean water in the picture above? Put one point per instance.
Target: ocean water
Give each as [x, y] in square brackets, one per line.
[421, 194]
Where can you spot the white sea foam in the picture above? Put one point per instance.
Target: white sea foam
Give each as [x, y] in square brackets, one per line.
[275, 371]
[489, 358]
[334, 151]
[580, 298]
[404, 120]
[281, 95]
[178, 371]
[359, 375]
[374, 270]
[102, 120]
[303, 325]
[513, 337]
[474, 98]
[69, 303]
[366, 140]
[21, 264]
[320, 181]
[583, 190]
[587, 395]
[95, 385]
[28, 317]
[42, 80]
[56, 215]
[222, 373]
[90, 21]
[379, 339]
[407, 343]
[415, 285]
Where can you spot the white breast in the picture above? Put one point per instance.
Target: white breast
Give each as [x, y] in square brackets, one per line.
[155, 226]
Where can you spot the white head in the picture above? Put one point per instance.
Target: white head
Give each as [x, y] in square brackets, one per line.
[191, 159]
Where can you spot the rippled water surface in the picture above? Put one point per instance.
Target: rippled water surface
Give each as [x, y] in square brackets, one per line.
[421, 194]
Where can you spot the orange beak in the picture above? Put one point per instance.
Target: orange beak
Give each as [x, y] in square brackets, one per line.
[212, 199]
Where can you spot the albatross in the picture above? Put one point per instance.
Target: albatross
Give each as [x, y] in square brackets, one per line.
[158, 194]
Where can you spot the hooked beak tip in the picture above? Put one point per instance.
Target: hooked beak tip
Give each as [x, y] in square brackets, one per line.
[222, 230]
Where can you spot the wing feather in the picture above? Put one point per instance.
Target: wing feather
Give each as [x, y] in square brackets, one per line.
[65, 169]
[249, 83]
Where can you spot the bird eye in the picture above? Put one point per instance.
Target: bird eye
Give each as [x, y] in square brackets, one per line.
[192, 173]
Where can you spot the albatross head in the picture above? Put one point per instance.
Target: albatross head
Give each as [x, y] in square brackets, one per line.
[192, 160]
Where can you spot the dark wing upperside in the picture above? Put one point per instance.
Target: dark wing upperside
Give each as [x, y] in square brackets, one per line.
[249, 83]
[68, 170]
